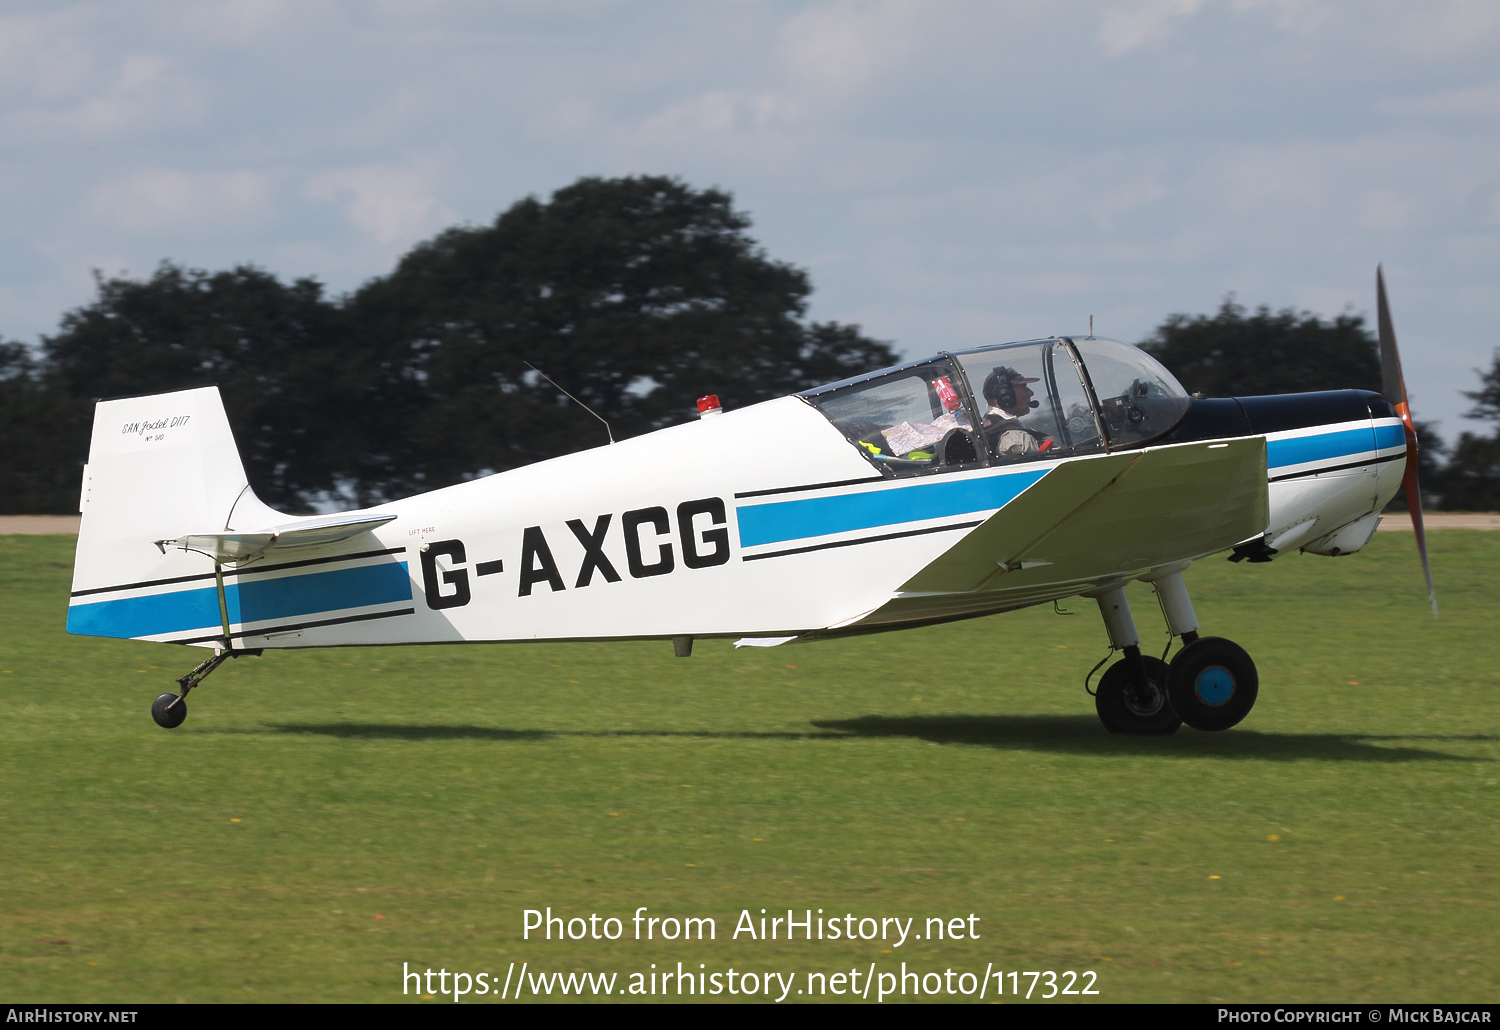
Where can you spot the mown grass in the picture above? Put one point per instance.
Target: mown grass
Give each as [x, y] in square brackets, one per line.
[323, 817]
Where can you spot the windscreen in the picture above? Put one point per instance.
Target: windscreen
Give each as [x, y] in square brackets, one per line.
[1010, 403]
[1138, 398]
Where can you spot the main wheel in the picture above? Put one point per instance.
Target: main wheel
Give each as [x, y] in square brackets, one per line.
[168, 718]
[1213, 683]
[1140, 709]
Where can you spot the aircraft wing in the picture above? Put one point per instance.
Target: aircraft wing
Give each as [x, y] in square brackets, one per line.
[1088, 522]
[231, 546]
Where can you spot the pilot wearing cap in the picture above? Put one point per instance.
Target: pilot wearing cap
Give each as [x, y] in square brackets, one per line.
[1009, 397]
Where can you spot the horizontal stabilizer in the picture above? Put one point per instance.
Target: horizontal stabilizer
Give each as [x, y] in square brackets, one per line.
[238, 547]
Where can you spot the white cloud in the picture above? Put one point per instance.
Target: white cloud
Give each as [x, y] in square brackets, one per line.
[1125, 26]
[139, 92]
[1300, 16]
[164, 200]
[717, 112]
[41, 55]
[1385, 209]
[393, 204]
[744, 122]
[77, 71]
[841, 47]
[240, 22]
[1444, 29]
[1130, 24]
[1481, 101]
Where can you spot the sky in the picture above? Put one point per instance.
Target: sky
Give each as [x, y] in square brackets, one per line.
[950, 173]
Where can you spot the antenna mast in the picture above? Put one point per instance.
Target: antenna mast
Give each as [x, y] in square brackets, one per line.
[570, 397]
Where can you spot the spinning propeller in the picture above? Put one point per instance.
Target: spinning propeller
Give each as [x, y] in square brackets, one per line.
[1393, 385]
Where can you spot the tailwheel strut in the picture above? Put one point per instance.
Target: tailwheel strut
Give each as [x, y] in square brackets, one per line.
[201, 671]
[169, 710]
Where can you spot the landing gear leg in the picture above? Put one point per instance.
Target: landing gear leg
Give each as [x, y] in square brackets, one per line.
[1132, 695]
[1172, 592]
[1212, 683]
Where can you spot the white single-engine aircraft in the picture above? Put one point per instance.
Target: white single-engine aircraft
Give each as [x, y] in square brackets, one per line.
[961, 485]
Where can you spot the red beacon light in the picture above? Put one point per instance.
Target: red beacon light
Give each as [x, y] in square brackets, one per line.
[709, 406]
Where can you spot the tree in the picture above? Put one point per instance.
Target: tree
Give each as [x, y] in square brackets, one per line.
[289, 384]
[41, 462]
[1487, 398]
[1471, 480]
[1230, 354]
[636, 295]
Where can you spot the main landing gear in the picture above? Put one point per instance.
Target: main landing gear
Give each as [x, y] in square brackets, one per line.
[170, 709]
[1210, 685]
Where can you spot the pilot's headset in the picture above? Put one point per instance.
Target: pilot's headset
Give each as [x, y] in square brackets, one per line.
[998, 389]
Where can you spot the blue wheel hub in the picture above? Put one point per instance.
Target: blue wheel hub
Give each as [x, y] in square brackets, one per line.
[1214, 685]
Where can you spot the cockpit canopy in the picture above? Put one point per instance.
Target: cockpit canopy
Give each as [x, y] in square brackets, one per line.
[1015, 402]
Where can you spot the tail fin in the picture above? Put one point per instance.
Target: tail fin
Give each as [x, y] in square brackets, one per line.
[159, 467]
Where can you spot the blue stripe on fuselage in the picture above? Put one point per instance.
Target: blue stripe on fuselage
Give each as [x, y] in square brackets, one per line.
[258, 600]
[1303, 449]
[146, 616]
[819, 516]
[1390, 436]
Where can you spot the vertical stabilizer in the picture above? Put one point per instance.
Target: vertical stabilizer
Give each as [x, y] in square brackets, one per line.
[159, 467]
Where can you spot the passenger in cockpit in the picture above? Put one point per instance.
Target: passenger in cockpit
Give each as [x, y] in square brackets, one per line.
[1009, 397]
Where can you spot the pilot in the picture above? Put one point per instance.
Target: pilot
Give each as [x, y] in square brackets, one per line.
[1009, 398]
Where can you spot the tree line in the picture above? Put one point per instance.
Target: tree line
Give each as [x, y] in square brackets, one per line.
[637, 295]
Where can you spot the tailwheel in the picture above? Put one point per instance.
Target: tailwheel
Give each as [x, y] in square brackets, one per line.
[1130, 704]
[169, 710]
[1212, 684]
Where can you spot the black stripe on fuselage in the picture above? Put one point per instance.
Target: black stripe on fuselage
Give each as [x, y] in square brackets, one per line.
[1340, 468]
[299, 625]
[812, 486]
[861, 540]
[237, 572]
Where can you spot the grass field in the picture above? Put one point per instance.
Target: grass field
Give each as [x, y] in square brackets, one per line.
[323, 817]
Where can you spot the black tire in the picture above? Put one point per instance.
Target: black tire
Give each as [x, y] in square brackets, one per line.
[168, 718]
[1124, 707]
[1213, 684]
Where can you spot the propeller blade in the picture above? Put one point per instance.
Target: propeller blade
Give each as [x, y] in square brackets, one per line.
[1394, 387]
[1392, 383]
